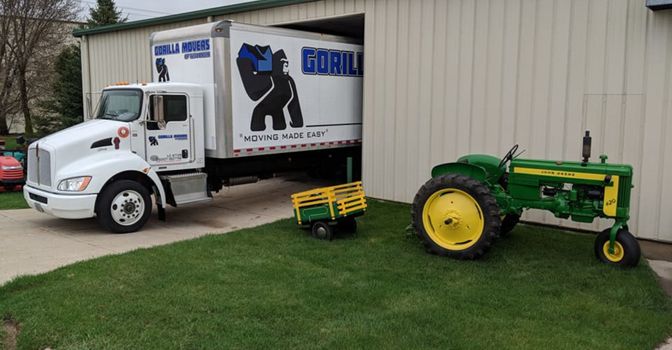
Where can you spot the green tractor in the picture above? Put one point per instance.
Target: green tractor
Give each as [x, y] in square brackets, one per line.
[467, 204]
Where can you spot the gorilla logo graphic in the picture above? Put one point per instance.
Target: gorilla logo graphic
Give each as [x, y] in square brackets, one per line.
[162, 69]
[265, 76]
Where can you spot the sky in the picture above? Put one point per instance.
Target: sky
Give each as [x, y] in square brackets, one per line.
[143, 9]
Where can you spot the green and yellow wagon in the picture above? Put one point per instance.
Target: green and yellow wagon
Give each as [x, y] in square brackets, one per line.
[323, 209]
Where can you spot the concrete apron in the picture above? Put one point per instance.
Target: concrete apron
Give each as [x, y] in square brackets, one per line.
[32, 242]
[659, 256]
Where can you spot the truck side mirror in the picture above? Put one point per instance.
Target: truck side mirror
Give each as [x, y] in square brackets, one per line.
[158, 115]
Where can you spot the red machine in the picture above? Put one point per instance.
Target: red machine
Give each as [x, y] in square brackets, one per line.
[11, 170]
[11, 173]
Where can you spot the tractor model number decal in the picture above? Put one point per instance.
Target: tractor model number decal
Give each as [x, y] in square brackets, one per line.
[611, 198]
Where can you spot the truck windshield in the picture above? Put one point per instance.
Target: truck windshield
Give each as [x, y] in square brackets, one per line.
[121, 105]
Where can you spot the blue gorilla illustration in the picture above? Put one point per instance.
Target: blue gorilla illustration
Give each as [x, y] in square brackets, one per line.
[266, 74]
[162, 69]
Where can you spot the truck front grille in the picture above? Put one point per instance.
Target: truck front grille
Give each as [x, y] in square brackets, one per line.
[32, 166]
[39, 167]
[44, 166]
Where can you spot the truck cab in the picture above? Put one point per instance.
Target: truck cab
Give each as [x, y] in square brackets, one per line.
[143, 139]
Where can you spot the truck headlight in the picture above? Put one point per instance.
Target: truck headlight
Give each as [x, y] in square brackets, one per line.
[74, 184]
[12, 167]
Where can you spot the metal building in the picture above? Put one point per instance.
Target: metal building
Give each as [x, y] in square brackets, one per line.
[449, 77]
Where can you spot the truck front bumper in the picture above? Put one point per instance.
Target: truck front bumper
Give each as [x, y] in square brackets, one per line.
[66, 206]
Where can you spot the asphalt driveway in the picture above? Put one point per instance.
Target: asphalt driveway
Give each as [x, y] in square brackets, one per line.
[31, 242]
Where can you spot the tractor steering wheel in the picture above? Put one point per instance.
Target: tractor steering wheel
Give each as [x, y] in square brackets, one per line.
[509, 156]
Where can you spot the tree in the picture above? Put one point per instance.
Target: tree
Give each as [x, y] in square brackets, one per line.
[7, 66]
[105, 13]
[66, 87]
[35, 29]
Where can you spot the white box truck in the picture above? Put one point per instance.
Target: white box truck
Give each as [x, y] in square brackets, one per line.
[230, 103]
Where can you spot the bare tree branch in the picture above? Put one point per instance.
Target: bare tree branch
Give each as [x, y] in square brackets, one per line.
[32, 34]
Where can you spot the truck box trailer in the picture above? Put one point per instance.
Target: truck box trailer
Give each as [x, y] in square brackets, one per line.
[229, 103]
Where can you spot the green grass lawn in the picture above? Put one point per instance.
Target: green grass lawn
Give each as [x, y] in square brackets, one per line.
[275, 287]
[12, 200]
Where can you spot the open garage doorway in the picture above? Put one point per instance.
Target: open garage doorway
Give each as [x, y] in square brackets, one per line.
[351, 27]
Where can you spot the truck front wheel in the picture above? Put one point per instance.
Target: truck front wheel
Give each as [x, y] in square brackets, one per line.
[124, 206]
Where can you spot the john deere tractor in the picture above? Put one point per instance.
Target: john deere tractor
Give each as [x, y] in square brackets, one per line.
[467, 204]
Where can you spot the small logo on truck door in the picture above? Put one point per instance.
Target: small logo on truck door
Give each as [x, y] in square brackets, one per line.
[153, 141]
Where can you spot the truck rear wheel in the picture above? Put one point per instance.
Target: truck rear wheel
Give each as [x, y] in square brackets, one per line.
[456, 216]
[124, 206]
[626, 249]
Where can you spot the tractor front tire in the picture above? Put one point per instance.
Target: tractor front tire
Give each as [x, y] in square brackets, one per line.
[509, 222]
[626, 251]
[455, 215]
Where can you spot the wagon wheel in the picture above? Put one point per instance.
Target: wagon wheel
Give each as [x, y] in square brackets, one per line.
[322, 230]
[455, 215]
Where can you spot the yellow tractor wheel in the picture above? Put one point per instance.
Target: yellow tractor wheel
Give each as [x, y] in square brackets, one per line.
[455, 215]
[626, 251]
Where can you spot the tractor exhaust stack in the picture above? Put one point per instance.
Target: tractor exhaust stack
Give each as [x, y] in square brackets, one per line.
[586, 148]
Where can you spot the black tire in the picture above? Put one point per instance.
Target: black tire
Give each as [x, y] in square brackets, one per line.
[322, 230]
[105, 206]
[628, 243]
[480, 193]
[508, 224]
[348, 225]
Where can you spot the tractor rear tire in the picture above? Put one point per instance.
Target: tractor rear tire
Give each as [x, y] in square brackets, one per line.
[456, 216]
[626, 253]
[509, 222]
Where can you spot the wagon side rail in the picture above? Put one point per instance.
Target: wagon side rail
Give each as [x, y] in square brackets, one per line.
[348, 198]
[351, 199]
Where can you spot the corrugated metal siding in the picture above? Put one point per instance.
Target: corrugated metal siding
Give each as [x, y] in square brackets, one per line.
[299, 12]
[450, 77]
